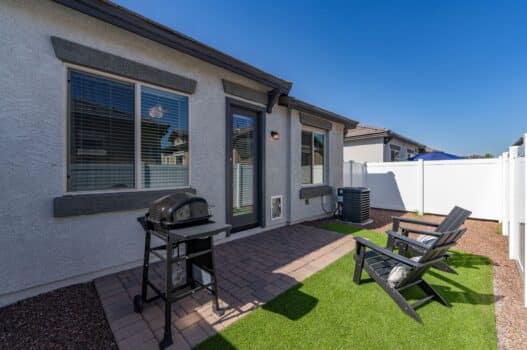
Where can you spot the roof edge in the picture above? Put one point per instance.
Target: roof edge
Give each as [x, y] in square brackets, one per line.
[383, 132]
[366, 136]
[406, 139]
[131, 21]
[305, 107]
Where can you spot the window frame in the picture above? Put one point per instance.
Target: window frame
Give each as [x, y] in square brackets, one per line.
[395, 148]
[408, 152]
[137, 125]
[314, 130]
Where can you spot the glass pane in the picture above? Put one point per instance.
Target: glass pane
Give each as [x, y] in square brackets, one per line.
[318, 158]
[395, 154]
[307, 155]
[243, 155]
[101, 133]
[164, 138]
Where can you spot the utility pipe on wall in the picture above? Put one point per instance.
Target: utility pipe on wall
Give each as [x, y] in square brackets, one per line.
[289, 198]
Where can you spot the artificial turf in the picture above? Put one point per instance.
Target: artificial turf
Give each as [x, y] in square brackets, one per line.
[329, 311]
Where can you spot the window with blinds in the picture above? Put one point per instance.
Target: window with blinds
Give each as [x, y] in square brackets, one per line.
[102, 135]
[102, 132]
[312, 157]
[307, 157]
[164, 138]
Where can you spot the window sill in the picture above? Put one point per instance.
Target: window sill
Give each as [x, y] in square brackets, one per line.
[310, 191]
[95, 203]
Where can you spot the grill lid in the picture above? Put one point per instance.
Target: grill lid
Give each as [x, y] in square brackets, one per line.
[181, 208]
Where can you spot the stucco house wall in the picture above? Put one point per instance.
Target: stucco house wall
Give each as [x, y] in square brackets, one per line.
[366, 150]
[43, 252]
[374, 149]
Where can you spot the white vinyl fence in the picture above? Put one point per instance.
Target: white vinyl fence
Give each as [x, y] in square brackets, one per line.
[493, 189]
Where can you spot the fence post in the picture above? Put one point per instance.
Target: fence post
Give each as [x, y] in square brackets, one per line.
[351, 173]
[514, 226]
[420, 187]
[505, 193]
[525, 221]
[364, 172]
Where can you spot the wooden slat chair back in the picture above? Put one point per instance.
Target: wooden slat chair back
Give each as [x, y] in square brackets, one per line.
[438, 250]
[453, 220]
[379, 262]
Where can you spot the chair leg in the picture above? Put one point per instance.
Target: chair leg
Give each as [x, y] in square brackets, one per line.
[359, 263]
[399, 299]
[390, 243]
[429, 290]
[442, 266]
[403, 304]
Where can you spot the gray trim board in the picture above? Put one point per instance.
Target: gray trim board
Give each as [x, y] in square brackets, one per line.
[272, 99]
[245, 92]
[123, 18]
[310, 120]
[305, 107]
[315, 191]
[92, 58]
[87, 204]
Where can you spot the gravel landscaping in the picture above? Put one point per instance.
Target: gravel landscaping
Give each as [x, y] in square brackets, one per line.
[67, 318]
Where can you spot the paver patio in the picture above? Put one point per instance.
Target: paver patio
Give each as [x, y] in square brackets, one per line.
[251, 271]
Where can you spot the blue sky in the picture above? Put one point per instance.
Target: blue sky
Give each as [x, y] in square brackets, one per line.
[450, 74]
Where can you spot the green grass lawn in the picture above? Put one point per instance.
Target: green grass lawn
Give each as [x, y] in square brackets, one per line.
[329, 311]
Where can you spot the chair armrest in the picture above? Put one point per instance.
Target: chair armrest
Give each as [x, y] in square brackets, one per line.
[414, 221]
[407, 239]
[422, 232]
[364, 242]
[400, 258]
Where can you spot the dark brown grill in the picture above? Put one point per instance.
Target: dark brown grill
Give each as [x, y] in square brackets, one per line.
[178, 210]
[181, 222]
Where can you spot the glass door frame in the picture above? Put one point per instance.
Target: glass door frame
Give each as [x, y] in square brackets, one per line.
[259, 188]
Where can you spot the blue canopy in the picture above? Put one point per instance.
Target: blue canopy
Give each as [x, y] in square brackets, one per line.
[435, 156]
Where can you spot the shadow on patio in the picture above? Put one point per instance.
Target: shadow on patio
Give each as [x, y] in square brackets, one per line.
[251, 271]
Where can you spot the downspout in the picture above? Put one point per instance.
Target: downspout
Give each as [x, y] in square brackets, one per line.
[289, 163]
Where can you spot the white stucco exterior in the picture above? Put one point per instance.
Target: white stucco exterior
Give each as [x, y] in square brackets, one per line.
[369, 150]
[375, 150]
[42, 252]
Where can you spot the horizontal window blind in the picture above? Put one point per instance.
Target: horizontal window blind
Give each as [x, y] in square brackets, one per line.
[318, 158]
[307, 156]
[313, 155]
[164, 139]
[101, 133]
[243, 154]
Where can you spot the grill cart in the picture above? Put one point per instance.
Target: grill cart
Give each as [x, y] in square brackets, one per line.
[187, 238]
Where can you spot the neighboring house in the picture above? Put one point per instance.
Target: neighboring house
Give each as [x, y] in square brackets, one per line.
[124, 110]
[370, 144]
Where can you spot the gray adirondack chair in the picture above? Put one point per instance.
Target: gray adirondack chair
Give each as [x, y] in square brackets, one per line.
[452, 221]
[379, 263]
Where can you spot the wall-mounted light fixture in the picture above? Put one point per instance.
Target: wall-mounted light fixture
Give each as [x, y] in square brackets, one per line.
[275, 135]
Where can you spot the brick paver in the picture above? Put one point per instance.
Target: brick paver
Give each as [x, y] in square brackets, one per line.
[251, 271]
